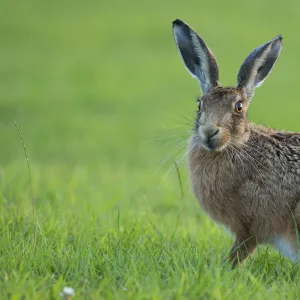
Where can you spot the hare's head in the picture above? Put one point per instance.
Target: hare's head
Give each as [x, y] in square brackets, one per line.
[222, 111]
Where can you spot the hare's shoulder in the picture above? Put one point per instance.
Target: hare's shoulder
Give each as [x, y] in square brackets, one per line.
[280, 148]
[287, 138]
[287, 148]
[279, 137]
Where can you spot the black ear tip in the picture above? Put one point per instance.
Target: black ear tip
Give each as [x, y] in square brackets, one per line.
[177, 22]
[278, 37]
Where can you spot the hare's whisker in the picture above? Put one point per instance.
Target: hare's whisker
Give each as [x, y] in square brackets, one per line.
[260, 153]
[180, 146]
[178, 161]
[160, 138]
[238, 156]
[172, 142]
[252, 161]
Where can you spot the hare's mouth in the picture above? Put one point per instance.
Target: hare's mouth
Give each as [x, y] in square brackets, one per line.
[215, 143]
[212, 145]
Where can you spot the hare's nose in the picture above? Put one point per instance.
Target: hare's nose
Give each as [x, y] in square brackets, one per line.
[209, 132]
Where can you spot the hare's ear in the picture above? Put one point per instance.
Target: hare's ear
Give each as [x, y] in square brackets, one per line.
[258, 65]
[196, 56]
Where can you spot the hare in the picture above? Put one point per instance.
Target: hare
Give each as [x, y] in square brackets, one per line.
[245, 176]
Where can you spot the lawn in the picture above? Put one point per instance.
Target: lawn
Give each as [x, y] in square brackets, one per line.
[101, 98]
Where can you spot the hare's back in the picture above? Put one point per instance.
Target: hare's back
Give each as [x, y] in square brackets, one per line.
[288, 138]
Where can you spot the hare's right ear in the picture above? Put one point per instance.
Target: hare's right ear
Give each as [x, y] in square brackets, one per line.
[196, 56]
[258, 64]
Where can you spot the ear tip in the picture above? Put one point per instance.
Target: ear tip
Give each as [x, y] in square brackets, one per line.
[278, 38]
[177, 22]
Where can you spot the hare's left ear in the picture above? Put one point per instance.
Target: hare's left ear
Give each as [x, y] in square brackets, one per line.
[258, 65]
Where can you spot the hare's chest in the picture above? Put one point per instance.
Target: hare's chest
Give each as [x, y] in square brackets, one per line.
[212, 190]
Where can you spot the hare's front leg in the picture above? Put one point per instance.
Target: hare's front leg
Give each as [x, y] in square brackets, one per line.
[241, 248]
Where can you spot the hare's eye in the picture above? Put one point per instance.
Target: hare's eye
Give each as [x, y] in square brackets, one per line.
[238, 107]
[199, 105]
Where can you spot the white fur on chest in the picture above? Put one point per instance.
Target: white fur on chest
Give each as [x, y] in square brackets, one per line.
[286, 248]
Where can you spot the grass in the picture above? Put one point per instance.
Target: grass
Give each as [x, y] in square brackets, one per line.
[89, 85]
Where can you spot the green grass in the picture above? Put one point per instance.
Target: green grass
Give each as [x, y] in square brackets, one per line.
[89, 84]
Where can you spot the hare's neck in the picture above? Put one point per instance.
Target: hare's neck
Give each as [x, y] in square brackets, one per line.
[212, 162]
[208, 167]
[211, 173]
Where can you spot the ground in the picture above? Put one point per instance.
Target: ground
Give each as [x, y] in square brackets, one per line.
[101, 97]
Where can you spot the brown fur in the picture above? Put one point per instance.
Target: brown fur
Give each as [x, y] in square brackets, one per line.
[251, 185]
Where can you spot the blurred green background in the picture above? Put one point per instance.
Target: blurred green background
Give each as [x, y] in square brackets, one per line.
[89, 82]
[101, 97]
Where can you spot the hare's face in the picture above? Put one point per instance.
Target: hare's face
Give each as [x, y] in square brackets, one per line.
[221, 119]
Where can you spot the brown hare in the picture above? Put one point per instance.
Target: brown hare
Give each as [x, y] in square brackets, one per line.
[245, 176]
